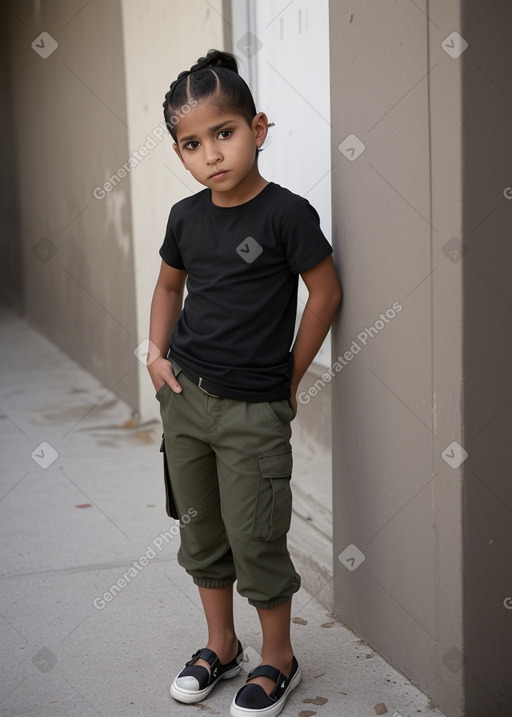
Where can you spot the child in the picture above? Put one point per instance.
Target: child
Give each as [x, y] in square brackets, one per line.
[226, 379]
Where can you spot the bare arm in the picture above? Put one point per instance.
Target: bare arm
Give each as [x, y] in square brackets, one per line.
[165, 310]
[325, 296]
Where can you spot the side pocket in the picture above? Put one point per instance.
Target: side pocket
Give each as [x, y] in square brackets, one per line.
[161, 391]
[274, 502]
[282, 410]
[164, 388]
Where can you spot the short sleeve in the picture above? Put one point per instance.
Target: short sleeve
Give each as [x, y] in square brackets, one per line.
[304, 242]
[169, 251]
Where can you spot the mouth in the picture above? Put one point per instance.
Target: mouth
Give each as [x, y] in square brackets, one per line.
[219, 174]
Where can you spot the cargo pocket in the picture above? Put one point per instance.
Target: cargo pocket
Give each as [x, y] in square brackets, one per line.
[274, 501]
[170, 505]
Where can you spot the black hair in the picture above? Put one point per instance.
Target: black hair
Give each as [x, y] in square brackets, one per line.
[215, 75]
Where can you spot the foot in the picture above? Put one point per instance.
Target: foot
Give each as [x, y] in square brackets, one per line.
[253, 699]
[196, 681]
[225, 651]
[283, 663]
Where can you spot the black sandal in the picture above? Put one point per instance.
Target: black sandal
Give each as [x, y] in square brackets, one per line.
[252, 699]
[194, 682]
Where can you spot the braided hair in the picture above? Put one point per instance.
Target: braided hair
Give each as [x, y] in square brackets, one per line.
[214, 76]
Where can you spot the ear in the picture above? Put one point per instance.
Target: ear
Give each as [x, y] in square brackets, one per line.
[177, 150]
[260, 128]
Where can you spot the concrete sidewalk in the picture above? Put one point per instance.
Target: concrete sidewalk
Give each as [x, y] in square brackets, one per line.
[82, 510]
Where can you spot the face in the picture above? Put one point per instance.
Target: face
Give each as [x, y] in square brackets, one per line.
[218, 147]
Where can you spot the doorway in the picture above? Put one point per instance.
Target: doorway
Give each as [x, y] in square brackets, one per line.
[283, 53]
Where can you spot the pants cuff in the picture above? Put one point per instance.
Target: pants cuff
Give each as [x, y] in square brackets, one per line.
[214, 582]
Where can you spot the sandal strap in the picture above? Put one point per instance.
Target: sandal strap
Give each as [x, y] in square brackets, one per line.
[267, 671]
[205, 654]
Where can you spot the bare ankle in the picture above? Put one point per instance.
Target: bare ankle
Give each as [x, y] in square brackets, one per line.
[225, 647]
[280, 658]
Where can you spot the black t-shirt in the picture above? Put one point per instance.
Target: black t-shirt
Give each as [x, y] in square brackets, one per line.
[243, 262]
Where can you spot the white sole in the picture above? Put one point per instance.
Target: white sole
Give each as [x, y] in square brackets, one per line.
[191, 696]
[272, 710]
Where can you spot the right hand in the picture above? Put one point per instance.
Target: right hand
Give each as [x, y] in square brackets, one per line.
[160, 371]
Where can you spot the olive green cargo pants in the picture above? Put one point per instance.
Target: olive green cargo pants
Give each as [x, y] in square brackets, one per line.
[230, 464]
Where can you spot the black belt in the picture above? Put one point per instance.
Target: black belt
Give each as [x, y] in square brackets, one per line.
[200, 382]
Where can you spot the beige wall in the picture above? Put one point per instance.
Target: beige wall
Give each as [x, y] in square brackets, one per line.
[160, 40]
[77, 117]
[420, 596]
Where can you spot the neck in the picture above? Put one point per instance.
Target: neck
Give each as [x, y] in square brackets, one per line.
[247, 189]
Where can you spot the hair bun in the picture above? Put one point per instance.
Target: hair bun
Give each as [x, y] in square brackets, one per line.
[216, 58]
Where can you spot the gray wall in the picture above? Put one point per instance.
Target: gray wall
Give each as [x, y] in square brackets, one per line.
[11, 264]
[426, 581]
[487, 342]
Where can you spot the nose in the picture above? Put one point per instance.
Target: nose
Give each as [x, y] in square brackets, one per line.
[213, 154]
